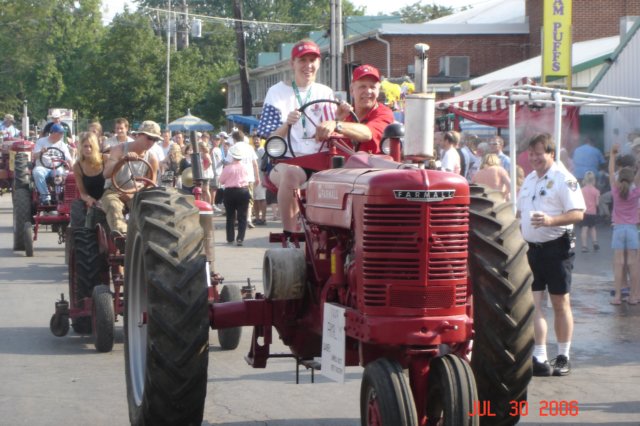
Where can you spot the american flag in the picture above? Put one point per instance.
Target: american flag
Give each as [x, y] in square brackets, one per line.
[270, 120]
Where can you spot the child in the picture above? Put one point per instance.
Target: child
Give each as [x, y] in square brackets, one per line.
[591, 198]
[624, 240]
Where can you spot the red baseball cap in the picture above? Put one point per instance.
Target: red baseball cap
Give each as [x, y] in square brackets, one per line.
[305, 47]
[364, 71]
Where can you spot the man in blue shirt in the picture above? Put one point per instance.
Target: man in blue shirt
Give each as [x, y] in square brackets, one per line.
[586, 158]
[495, 147]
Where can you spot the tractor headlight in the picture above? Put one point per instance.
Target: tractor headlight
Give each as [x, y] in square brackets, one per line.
[385, 146]
[276, 147]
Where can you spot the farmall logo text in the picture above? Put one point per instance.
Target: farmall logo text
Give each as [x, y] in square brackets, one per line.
[327, 193]
[425, 196]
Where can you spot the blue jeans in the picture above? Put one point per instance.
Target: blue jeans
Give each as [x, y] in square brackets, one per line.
[40, 175]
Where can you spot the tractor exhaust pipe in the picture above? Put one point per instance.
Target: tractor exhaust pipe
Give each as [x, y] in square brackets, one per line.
[420, 112]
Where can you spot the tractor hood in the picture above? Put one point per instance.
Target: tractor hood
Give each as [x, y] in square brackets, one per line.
[328, 192]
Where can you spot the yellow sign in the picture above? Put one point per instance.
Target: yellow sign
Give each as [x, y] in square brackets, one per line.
[556, 39]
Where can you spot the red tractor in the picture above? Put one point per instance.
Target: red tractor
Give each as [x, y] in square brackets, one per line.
[12, 151]
[97, 263]
[429, 274]
[29, 214]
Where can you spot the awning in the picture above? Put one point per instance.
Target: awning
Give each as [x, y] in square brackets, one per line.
[478, 100]
[246, 120]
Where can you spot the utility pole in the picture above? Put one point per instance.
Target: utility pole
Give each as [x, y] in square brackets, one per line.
[183, 36]
[242, 59]
[336, 45]
[166, 117]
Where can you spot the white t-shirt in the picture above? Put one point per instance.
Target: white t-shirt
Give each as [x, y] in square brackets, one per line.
[451, 160]
[216, 159]
[248, 157]
[44, 143]
[113, 141]
[281, 100]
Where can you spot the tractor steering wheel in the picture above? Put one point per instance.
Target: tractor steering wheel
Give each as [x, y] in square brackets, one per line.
[56, 160]
[303, 108]
[144, 180]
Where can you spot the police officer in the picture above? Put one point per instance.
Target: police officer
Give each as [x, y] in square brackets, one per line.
[549, 203]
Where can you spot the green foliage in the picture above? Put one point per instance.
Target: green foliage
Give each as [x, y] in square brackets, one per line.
[57, 53]
[418, 13]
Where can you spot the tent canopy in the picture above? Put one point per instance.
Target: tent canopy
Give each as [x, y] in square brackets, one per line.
[246, 120]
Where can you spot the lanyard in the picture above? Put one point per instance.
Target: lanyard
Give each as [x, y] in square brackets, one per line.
[297, 92]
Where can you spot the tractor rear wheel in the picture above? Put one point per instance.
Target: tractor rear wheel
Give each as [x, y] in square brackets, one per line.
[452, 392]
[102, 318]
[230, 337]
[21, 171]
[502, 305]
[28, 239]
[385, 396]
[166, 324]
[88, 264]
[21, 216]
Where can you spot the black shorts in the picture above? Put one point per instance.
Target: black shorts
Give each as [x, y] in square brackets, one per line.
[552, 264]
[590, 220]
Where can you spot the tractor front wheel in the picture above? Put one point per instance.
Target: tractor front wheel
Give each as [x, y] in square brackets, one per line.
[502, 305]
[452, 393]
[166, 324]
[102, 318]
[385, 396]
[59, 325]
[230, 337]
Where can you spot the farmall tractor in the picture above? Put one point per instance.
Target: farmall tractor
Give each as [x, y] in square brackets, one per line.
[14, 156]
[429, 275]
[29, 213]
[98, 262]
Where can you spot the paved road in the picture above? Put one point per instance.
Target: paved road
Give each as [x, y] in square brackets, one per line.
[48, 380]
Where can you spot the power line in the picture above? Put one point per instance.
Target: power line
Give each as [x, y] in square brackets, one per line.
[230, 21]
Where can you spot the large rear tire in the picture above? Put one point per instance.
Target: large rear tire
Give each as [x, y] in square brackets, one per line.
[21, 171]
[166, 324]
[502, 305]
[229, 338]
[89, 265]
[452, 393]
[28, 239]
[385, 396]
[102, 318]
[21, 216]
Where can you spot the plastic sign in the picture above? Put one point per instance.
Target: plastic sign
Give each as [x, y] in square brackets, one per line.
[556, 45]
[333, 342]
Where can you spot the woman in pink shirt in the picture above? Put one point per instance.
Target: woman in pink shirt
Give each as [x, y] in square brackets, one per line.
[624, 239]
[493, 175]
[235, 179]
[591, 196]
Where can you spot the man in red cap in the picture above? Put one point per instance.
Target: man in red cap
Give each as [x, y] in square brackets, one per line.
[280, 111]
[373, 116]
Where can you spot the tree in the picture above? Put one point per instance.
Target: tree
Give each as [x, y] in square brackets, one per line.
[418, 13]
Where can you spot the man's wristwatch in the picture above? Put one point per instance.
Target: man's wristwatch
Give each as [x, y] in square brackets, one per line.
[338, 126]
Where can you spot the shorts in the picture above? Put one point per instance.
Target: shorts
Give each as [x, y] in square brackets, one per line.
[552, 265]
[625, 237]
[590, 220]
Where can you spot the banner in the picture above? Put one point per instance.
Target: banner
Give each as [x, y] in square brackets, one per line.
[556, 39]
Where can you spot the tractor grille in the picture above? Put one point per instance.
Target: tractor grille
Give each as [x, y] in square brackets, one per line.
[415, 256]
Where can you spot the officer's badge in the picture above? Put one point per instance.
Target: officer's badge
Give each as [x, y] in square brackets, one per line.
[572, 184]
[550, 184]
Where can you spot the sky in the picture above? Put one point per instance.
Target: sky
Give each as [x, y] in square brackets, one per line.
[111, 7]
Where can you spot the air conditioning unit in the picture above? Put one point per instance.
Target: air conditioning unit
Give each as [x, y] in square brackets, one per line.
[454, 66]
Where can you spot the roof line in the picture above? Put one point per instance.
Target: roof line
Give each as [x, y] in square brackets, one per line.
[610, 60]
